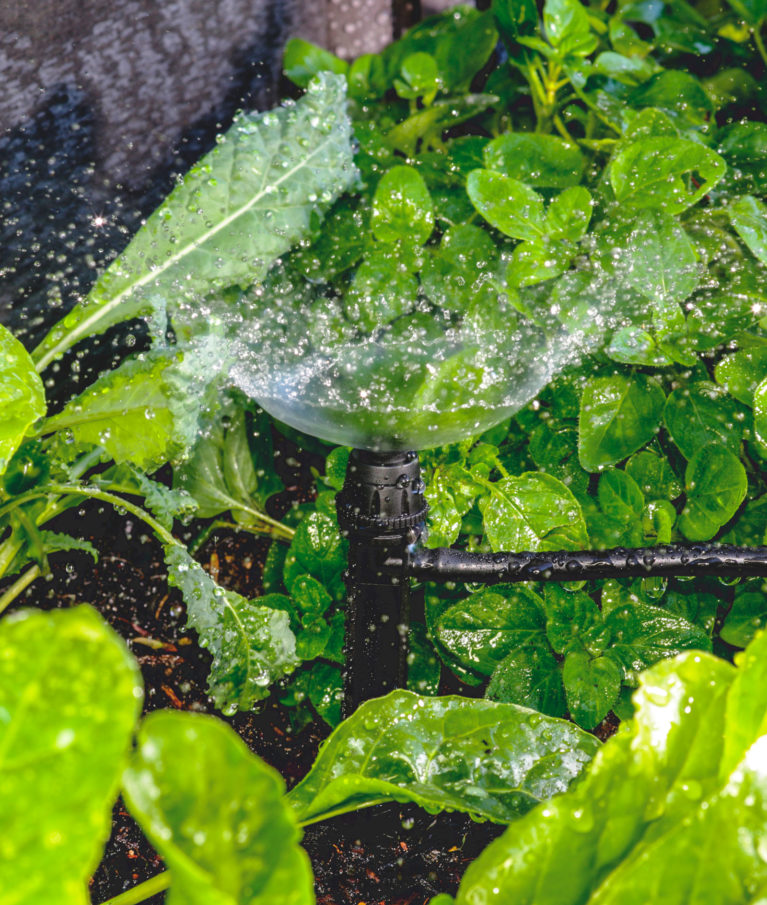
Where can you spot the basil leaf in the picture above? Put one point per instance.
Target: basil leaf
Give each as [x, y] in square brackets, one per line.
[402, 207]
[716, 486]
[403, 747]
[749, 217]
[668, 174]
[70, 694]
[545, 161]
[534, 512]
[456, 274]
[216, 814]
[700, 414]
[22, 395]
[251, 643]
[242, 206]
[618, 415]
[507, 204]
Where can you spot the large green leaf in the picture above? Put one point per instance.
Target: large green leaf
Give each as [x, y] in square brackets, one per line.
[716, 486]
[703, 413]
[222, 473]
[147, 411]
[749, 217]
[22, 396]
[669, 174]
[618, 415]
[216, 814]
[317, 550]
[402, 207]
[547, 161]
[507, 204]
[482, 630]
[243, 205]
[653, 255]
[252, 645]
[70, 694]
[672, 809]
[534, 511]
[492, 760]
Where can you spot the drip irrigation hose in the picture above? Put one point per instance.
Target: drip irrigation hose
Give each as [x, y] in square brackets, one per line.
[382, 511]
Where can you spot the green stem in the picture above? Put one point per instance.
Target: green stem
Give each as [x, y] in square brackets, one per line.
[94, 493]
[143, 891]
[759, 42]
[20, 585]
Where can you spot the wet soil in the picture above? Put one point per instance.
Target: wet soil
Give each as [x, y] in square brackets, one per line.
[388, 855]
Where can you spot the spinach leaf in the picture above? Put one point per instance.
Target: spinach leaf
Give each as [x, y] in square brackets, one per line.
[507, 204]
[22, 396]
[482, 630]
[687, 760]
[544, 161]
[749, 217]
[491, 760]
[317, 550]
[534, 511]
[591, 686]
[71, 694]
[700, 414]
[402, 207]
[618, 415]
[234, 839]
[716, 486]
[668, 174]
[243, 205]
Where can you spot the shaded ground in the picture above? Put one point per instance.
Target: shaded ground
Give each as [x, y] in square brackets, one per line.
[392, 855]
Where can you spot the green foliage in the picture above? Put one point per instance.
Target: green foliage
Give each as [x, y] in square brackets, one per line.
[234, 839]
[70, 695]
[560, 654]
[265, 179]
[676, 796]
[492, 760]
[251, 643]
[22, 396]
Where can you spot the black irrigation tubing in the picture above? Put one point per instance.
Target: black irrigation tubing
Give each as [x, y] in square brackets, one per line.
[665, 561]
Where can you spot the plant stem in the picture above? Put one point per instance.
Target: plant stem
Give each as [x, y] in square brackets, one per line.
[759, 42]
[143, 891]
[94, 493]
[20, 585]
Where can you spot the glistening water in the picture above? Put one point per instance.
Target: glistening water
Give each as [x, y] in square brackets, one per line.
[428, 378]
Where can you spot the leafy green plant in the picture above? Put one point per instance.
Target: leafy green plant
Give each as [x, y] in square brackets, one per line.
[676, 799]
[217, 814]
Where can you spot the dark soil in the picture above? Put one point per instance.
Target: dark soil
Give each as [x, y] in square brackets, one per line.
[392, 855]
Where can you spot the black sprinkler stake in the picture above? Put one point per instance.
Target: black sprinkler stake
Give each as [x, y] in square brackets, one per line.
[382, 510]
